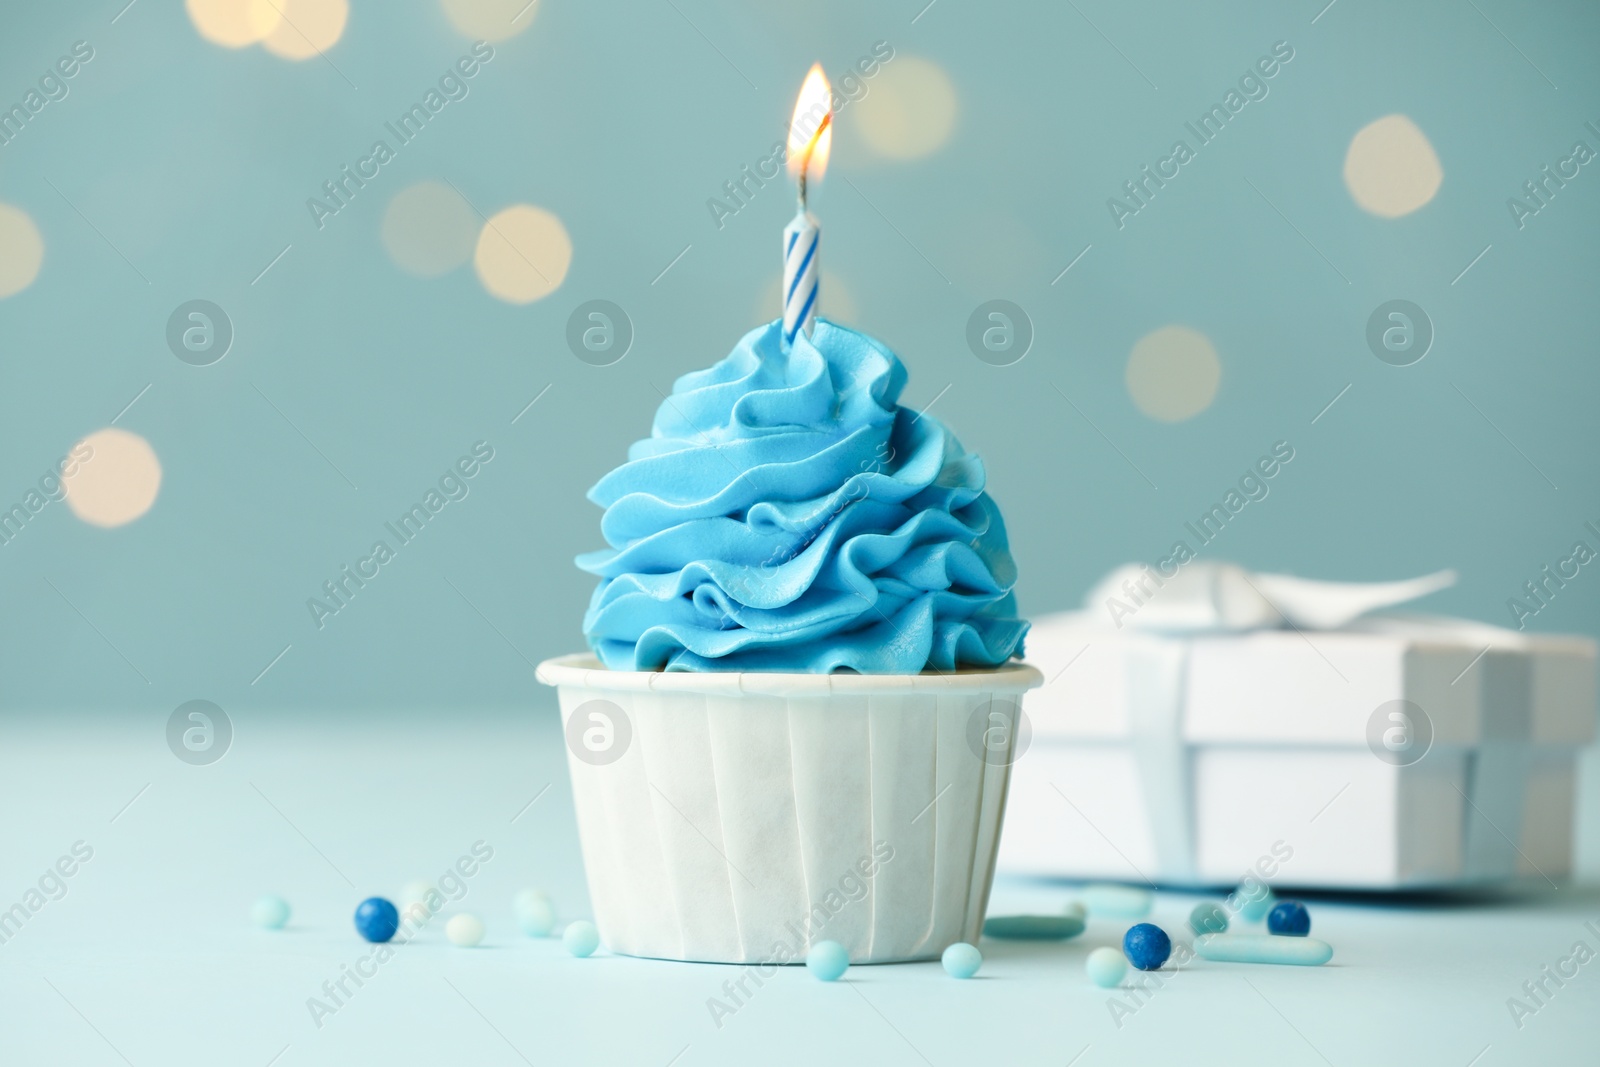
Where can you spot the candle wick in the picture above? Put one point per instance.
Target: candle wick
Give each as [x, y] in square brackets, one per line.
[805, 157]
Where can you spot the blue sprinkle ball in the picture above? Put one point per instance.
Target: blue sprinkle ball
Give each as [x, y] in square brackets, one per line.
[1290, 918]
[1147, 946]
[376, 919]
[1252, 900]
[961, 960]
[1208, 918]
[1105, 967]
[581, 938]
[827, 961]
[270, 913]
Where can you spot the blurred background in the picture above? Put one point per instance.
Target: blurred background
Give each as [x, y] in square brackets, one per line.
[274, 271]
[263, 339]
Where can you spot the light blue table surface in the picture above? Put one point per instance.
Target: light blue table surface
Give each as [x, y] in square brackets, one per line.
[150, 957]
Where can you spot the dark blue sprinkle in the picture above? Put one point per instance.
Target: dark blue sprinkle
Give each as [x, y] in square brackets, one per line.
[1289, 918]
[1147, 946]
[376, 919]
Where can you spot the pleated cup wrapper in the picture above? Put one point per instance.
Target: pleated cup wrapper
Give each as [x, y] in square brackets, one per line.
[741, 817]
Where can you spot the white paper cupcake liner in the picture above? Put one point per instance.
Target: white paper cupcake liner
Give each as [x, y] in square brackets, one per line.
[742, 817]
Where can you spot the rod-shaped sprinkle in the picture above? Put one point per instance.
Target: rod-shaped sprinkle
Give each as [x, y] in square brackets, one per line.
[1263, 948]
[1117, 901]
[1032, 927]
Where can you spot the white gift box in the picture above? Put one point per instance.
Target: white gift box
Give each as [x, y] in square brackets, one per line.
[1197, 758]
[742, 817]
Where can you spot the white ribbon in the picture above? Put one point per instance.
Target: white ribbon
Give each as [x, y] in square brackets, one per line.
[1208, 597]
[1498, 767]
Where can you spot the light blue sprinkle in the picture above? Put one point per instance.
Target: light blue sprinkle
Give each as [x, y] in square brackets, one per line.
[1263, 948]
[1208, 918]
[1253, 903]
[961, 960]
[270, 913]
[1105, 967]
[827, 961]
[535, 914]
[581, 938]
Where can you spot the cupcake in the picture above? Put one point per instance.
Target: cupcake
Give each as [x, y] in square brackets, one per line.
[801, 706]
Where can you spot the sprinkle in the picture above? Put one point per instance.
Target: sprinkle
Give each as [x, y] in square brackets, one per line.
[1032, 927]
[1290, 919]
[270, 913]
[1105, 967]
[535, 913]
[1118, 901]
[376, 919]
[961, 960]
[1147, 946]
[581, 938]
[464, 931]
[1208, 918]
[827, 961]
[1263, 948]
[1252, 901]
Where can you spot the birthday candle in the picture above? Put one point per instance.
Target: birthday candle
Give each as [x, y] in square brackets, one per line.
[810, 139]
[800, 270]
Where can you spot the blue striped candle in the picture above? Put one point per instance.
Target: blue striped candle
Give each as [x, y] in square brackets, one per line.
[801, 273]
[810, 138]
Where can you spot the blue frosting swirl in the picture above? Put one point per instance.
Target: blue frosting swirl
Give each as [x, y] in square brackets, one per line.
[786, 514]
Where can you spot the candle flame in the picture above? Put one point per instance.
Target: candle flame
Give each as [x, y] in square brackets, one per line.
[811, 129]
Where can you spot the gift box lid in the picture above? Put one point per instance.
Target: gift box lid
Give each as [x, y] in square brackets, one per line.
[1474, 682]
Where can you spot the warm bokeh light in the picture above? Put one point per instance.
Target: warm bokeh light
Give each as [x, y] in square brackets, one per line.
[811, 126]
[1391, 168]
[428, 229]
[1173, 373]
[909, 111]
[523, 254]
[117, 482]
[21, 250]
[234, 23]
[490, 20]
[308, 27]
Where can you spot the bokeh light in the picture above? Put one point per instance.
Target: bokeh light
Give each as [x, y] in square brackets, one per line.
[234, 23]
[308, 27]
[428, 229]
[1391, 168]
[118, 482]
[523, 254]
[21, 250]
[909, 110]
[489, 20]
[1173, 373]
